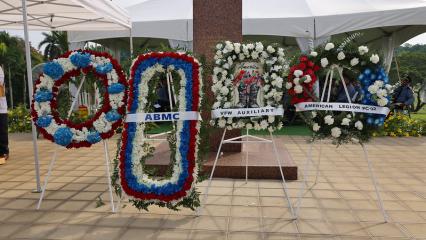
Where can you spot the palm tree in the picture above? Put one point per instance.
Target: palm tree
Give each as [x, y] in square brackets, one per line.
[56, 44]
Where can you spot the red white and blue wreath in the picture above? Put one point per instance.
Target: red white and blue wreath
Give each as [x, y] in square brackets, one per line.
[106, 120]
[179, 188]
[343, 122]
[233, 87]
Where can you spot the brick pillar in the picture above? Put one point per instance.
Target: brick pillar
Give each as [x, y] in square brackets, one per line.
[215, 21]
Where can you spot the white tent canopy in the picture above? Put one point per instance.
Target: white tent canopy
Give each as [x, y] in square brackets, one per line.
[64, 15]
[305, 18]
[58, 15]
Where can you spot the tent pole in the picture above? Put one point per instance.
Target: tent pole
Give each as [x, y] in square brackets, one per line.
[30, 91]
[131, 44]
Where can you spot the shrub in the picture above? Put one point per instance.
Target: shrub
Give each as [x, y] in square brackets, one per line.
[19, 119]
[401, 125]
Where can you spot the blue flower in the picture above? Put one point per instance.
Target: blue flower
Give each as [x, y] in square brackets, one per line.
[63, 136]
[81, 60]
[184, 136]
[104, 69]
[53, 70]
[94, 137]
[43, 96]
[113, 116]
[44, 121]
[116, 88]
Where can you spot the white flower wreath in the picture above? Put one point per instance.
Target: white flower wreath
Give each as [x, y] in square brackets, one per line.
[275, 68]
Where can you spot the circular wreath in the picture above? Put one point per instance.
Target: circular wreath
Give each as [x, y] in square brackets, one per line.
[342, 127]
[177, 189]
[44, 108]
[275, 69]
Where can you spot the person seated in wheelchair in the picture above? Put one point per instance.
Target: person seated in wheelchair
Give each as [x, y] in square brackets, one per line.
[403, 96]
[353, 90]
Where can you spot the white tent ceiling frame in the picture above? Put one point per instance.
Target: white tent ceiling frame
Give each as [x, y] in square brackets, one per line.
[61, 15]
[64, 15]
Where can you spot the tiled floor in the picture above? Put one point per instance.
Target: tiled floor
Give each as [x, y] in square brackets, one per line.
[340, 206]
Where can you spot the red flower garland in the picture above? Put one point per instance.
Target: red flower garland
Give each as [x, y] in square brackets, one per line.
[308, 68]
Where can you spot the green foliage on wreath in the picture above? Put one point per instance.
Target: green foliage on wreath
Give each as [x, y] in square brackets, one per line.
[192, 201]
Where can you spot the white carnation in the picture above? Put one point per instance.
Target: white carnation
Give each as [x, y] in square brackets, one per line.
[375, 58]
[288, 85]
[329, 46]
[362, 50]
[341, 56]
[264, 124]
[259, 47]
[345, 121]
[249, 126]
[296, 81]
[298, 89]
[270, 49]
[271, 119]
[314, 114]
[373, 89]
[307, 78]
[298, 73]
[316, 127]
[354, 61]
[336, 132]
[224, 90]
[227, 105]
[313, 54]
[329, 120]
[219, 46]
[255, 55]
[324, 62]
[222, 123]
[359, 125]
[216, 105]
[382, 102]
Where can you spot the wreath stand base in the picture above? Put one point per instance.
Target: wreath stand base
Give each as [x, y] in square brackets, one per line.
[55, 153]
[329, 82]
[304, 183]
[239, 140]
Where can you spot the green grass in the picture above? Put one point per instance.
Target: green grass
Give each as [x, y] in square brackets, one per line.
[297, 130]
[420, 115]
[160, 128]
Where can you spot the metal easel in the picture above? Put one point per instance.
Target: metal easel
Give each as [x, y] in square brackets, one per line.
[329, 80]
[240, 140]
[55, 153]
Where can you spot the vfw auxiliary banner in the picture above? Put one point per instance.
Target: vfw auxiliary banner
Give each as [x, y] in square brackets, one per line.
[247, 112]
[342, 107]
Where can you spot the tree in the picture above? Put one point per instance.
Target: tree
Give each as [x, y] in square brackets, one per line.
[411, 60]
[14, 63]
[55, 42]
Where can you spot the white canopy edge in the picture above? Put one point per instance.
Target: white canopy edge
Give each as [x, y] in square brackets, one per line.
[65, 15]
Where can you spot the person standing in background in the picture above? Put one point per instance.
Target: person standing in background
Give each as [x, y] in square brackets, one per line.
[4, 142]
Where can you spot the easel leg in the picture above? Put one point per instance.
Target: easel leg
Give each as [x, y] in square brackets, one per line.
[290, 205]
[317, 165]
[211, 175]
[46, 180]
[304, 182]
[247, 133]
[107, 164]
[373, 178]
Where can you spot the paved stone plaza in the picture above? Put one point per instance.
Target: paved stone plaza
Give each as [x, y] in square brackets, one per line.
[341, 205]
